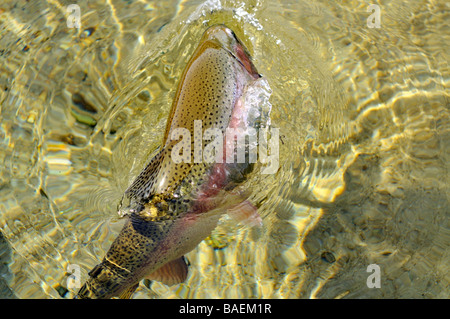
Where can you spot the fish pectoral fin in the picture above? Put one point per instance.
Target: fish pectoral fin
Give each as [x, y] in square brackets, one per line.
[172, 273]
[127, 293]
[245, 213]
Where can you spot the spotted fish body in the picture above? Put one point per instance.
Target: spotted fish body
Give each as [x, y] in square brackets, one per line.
[173, 205]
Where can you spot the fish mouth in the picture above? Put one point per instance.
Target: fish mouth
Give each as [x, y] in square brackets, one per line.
[228, 40]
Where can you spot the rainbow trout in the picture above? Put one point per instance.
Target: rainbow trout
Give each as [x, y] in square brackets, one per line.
[177, 200]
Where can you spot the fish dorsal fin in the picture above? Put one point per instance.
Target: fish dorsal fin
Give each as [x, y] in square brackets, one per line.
[127, 293]
[172, 273]
[142, 186]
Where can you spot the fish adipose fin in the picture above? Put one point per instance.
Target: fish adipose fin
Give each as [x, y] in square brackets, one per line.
[128, 292]
[172, 273]
[245, 213]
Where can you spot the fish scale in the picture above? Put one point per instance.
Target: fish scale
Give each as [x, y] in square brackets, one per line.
[173, 206]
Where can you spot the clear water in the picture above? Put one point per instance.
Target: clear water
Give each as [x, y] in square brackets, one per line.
[364, 121]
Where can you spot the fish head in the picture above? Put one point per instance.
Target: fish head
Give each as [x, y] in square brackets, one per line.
[227, 39]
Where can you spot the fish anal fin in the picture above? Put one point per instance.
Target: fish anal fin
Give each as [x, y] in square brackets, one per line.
[127, 293]
[245, 213]
[172, 273]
